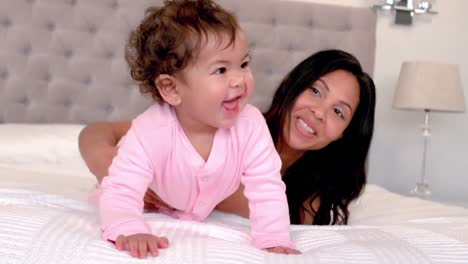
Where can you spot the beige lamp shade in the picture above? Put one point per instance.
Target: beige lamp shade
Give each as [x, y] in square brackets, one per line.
[429, 86]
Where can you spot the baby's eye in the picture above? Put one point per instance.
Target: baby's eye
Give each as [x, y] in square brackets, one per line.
[245, 65]
[339, 113]
[220, 70]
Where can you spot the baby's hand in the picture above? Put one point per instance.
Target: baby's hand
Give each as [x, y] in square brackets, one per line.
[139, 244]
[283, 250]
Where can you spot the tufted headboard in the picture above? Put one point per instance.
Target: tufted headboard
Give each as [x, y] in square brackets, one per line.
[61, 61]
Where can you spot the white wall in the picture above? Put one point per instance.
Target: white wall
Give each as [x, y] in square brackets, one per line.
[396, 153]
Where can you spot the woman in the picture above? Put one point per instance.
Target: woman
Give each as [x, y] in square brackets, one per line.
[321, 120]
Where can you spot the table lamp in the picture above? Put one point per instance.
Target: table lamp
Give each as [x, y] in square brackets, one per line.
[429, 87]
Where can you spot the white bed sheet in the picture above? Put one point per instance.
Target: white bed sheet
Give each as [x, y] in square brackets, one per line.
[45, 218]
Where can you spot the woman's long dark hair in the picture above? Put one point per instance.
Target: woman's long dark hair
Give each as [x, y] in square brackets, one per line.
[335, 174]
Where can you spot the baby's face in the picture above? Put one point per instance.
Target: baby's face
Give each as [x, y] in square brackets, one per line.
[217, 85]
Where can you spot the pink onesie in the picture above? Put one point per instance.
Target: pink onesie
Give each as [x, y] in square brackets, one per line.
[155, 153]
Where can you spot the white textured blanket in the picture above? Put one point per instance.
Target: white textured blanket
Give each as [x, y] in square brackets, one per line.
[45, 219]
[37, 227]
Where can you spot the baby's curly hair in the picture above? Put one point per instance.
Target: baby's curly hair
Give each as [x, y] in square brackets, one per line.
[169, 37]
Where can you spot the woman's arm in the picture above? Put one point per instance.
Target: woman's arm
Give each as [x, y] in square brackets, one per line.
[98, 145]
[307, 217]
[236, 203]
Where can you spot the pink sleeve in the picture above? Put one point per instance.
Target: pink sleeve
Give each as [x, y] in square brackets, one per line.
[122, 192]
[265, 191]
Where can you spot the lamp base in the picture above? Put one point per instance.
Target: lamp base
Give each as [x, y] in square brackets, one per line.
[421, 190]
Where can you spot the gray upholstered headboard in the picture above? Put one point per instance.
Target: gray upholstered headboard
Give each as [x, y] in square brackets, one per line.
[61, 61]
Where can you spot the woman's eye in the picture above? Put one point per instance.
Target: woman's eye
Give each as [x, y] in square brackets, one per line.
[220, 70]
[339, 113]
[245, 65]
[315, 90]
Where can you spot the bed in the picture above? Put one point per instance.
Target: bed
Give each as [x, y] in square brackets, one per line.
[61, 66]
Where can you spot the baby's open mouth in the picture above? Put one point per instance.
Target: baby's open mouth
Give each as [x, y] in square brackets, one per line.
[232, 105]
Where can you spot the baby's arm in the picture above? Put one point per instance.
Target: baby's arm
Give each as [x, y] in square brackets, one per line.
[121, 200]
[98, 147]
[265, 191]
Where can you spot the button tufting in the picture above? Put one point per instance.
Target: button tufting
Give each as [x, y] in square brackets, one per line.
[68, 53]
[23, 100]
[50, 26]
[109, 54]
[47, 77]
[273, 21]
[92, 29]
[6, 22]
[26, 49]
[67, 103]
[72, 2]
[86, 80]
[4, 74]
[114, 4]
[108, 108]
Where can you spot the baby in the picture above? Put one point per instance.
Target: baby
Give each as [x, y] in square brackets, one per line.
[200, 139]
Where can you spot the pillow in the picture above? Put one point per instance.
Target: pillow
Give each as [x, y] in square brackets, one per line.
[41, 146]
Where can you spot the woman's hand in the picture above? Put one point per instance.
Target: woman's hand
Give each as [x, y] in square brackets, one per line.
[283, 250]
[153, 202]
[139, 244]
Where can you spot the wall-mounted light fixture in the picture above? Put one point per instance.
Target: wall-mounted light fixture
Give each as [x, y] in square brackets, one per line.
[406, 9]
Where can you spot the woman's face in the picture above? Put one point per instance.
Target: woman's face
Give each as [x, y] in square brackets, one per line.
[322, 112]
